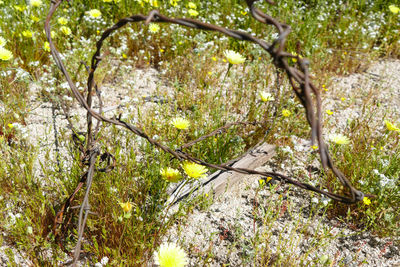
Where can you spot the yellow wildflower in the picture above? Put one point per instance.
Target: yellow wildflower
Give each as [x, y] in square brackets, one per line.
[394, 9]
[19, 8]
[154, 3]
[339, 139]
[329, 112]
[170, 174]
[27, 34]
[46, 46]
[391, 127]
[154, 27]
[286, 113]
[94, 13]
[265, 97]
[192, 5]
[234, 57]
[126, 206]
[2, 41]
[36, 3]
[10, 125]
[180, 123]
[174, 2]
[193, 13]
[194, 170]
[66, 30]
[5, 54]
[170, 255]
[366, 201]
[62, 21]
[314, 147]
[34, 18]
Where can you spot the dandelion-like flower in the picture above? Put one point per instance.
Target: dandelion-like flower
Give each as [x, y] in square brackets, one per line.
[391, 127]
[366, 201]
[193, 12]
[265, 97]
[234, 57]
[286, 113]
[94, 13]
[170, 174]
[46, 46]
[170, 255]
[180, 123]
[36, 3]
[65, 30]
[394, 9]
[27, 34]
[194, 170]
[5, 54]
[154, 27]
[329, 112]
[62, 21]
[192, 5]
[126, 206]
[2, 41]
[339, 139]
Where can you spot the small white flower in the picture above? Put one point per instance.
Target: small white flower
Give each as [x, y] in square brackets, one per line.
[104, 260]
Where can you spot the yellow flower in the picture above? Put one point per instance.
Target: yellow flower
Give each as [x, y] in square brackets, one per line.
[62, 21]
[314, 147]
[234, 57]
[127, 206]
[192, 5]
[36, 3]
[34, 18]
[10, 125]
[180, 123]
[5, 54]
[154, 3]
[66, 30]
[27, 34]
[154, 27]
[366, 201]
[244, 13]
[94, 13]
[329, 112]
[339, 139]
[174, 2]
[214, 58]
[170, 174]
[193, 12]
[342, 98]
[20, 8]
[394, 9]
[391, 127]
[265, 97]
[46, 46]
[107, 1]
[286, 113]
[170, 255]
[2, 41]
[194, 170]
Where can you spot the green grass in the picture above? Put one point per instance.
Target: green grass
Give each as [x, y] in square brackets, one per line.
[338, 39]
